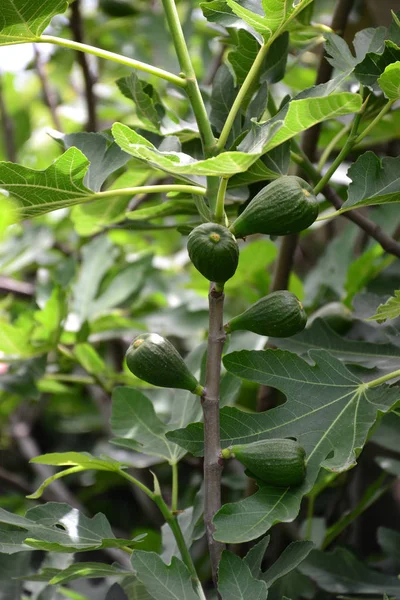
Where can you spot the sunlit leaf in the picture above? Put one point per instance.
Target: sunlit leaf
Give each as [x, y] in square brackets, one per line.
[297, 116]
[389, 81]
[389, 310]
[177, 163]
[374, 181]
[61, 528]
[22, 21]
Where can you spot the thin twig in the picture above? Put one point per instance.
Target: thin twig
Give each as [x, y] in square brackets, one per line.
[324, 73]
[388, 243]
[18, 288]
[89, 78]
[212, 444]
[48, 93]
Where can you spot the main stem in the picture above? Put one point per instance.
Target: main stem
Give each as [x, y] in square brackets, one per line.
[212, 443]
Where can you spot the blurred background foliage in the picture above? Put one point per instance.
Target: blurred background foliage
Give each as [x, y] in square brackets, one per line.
[74, 289]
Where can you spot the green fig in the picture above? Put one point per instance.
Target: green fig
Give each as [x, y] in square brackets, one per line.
[287, 205]
[154, 359]
[280, 314]
[214, 252]
[279, 462]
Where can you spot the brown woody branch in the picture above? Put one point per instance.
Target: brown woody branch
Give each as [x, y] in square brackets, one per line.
[212, 445]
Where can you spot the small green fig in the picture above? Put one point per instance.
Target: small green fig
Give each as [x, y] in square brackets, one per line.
[214, 252]
[280, 314]
[287, 205]
[279, 462]
[154, 359]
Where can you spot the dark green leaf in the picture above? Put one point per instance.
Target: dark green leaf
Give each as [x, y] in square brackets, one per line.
[340, 572]
[235, 581]
[389, 540]
[320, 336]
[146, 99]
[137, 426]
[290, 559]
[163, 582]
[327, 409]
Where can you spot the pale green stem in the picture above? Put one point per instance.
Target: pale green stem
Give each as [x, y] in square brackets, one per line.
[192, 86]
[219, 215]
[193, 92]
[382, 379]
[119, 58]
[248, 82]
[175, 487]
[153, 189]
[326, 153]
[68, 378]
[378, 117]
[342, 154]
[174, 526]
[310, 514]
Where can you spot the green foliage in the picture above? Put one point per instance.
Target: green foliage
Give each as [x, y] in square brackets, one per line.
[110, 169]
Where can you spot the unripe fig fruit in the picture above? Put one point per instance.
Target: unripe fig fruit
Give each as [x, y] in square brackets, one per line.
[280, 314]
[287, 205]
[214, 251]
[155, 360]
[279, 462]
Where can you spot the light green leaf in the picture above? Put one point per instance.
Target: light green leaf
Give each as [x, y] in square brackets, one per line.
[38, 192]
[137, 426]
[290, 559]
[320, 336]
[389, 310]
[340, 572]
[297, 116]
[15, 341]
[177, 163]
[86, 570]
[163, 582]
[77, 462]
[61, 528]
[235, 581]
[50, 318]
[22, 21]
[389, 81]
[272, 19]
[328, 410]
[374, 181]
[91, 361]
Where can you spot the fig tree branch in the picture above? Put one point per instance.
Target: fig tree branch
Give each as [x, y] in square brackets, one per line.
[114, 57]
[48, 94]
[212, 443]
[88, 76]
